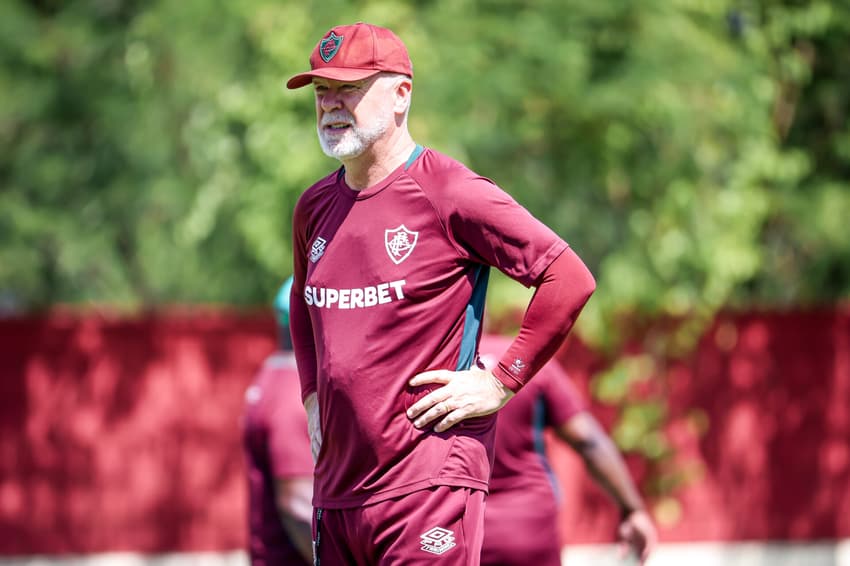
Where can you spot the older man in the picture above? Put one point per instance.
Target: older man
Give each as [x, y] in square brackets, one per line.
[391, 259]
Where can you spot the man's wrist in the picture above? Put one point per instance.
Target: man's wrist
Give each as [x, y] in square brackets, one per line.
[506, 378]
[627, 510]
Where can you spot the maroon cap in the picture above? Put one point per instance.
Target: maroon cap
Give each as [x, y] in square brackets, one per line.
[352, 53]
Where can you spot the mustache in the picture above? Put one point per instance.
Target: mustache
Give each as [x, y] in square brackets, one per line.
[337, 117]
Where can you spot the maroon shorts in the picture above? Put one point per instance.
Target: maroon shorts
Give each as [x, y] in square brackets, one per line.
[442, 525]
[520, 530]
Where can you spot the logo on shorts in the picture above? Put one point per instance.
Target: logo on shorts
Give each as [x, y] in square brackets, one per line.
[438, 540]
[330, 46]
[318, 249]
[399, 243]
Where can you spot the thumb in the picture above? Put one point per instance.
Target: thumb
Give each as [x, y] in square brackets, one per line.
[623, 550]
[625, 533]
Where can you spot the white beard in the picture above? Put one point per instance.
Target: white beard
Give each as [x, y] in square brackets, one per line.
[354, 140]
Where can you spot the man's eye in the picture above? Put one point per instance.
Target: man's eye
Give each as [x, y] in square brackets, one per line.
[348, 88]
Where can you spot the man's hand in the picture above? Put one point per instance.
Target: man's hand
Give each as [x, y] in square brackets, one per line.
[465, 394]
[637, 533]
[311, 405]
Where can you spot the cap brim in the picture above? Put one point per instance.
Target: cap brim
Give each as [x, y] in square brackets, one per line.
[331, 73]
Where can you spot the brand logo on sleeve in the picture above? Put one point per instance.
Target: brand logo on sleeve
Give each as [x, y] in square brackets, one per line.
[318, 249]
[438, 540]
[517, 367]
[399, 243]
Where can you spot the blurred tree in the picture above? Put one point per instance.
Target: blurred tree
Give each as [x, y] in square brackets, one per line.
[696, 154]
[806, 251]
[136, 168]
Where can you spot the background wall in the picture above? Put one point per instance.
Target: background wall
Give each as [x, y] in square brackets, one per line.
[123, 435]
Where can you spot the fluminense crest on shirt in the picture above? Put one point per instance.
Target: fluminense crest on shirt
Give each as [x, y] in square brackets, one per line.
[318, 249]
[330, 46]
[437, 540]
[399, 243]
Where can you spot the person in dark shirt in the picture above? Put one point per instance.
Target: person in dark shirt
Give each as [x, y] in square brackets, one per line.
[520, 520]
[277, 456]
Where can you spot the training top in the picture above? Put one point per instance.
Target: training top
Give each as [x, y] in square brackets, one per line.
[547, 401]
[393, 280]
[276, 445]
[520, 525]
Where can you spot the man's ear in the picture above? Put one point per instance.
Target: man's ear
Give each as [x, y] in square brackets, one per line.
[403, 92]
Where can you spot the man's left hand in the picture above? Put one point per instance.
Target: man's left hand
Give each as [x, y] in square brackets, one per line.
[465, 394]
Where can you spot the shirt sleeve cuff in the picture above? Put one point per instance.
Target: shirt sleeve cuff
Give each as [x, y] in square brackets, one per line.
[506, 378]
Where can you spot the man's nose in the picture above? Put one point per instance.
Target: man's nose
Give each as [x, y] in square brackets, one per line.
[330, 101]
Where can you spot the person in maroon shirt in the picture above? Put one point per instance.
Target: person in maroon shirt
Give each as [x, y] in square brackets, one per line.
[391, 256]
[520, 521]
[278, 462]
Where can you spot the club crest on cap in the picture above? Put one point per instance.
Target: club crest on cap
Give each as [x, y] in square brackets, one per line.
[330, 46]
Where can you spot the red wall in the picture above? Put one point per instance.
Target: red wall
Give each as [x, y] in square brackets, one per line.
[123, 434]
[760, 420]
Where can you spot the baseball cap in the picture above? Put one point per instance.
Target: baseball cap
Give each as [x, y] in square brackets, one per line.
[354, 52]
[281, 303]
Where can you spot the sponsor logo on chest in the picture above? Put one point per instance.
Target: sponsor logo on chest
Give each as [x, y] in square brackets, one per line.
[354, 298]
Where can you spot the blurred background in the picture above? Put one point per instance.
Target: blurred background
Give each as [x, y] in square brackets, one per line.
[695, 153]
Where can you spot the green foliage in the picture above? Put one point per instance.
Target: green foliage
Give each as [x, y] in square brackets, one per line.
[696, 154]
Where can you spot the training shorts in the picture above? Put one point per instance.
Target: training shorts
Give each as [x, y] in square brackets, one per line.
[518, 534]
[442, 525]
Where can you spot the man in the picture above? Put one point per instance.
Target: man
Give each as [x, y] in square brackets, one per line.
[391, 259]
[520, 524]
[277, 455]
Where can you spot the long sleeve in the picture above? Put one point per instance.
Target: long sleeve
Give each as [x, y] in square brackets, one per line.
[300, 325]
[301, 330]
[565, 287]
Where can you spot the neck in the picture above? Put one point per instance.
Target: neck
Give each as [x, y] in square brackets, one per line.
[378, 161]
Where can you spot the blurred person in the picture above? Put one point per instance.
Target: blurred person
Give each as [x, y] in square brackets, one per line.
[520, 522]
[277, 453]
[392, 253]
